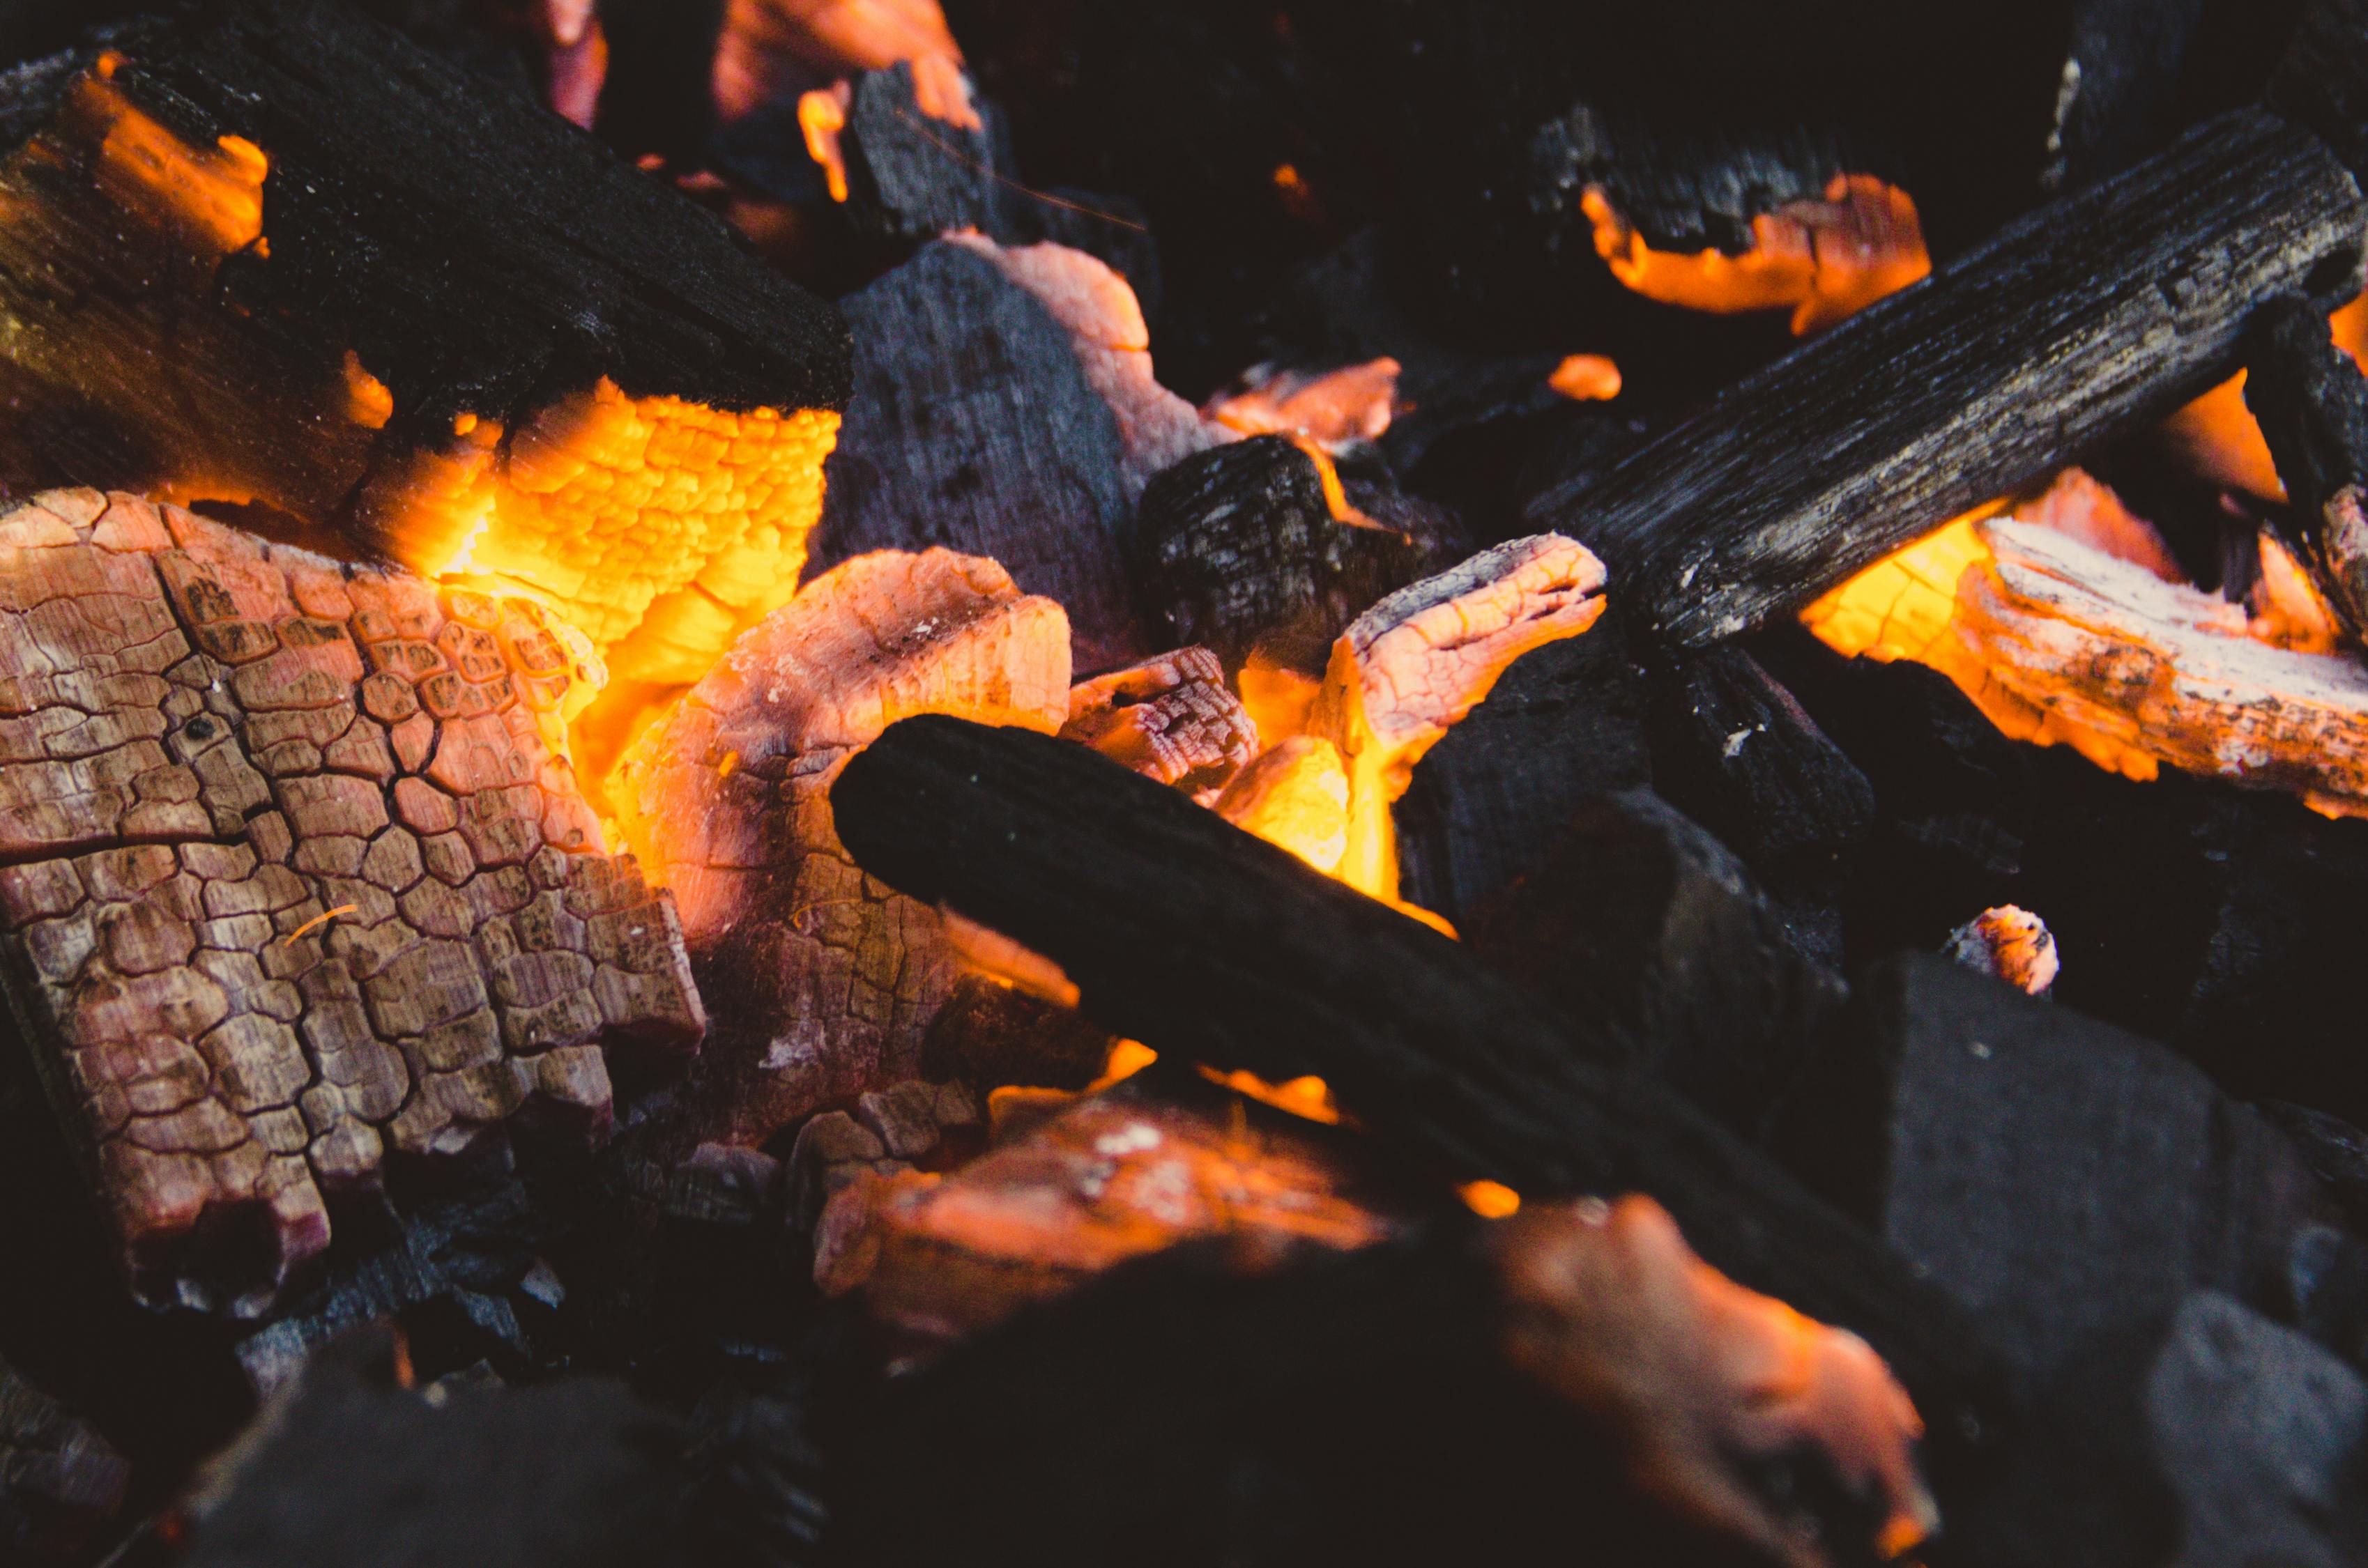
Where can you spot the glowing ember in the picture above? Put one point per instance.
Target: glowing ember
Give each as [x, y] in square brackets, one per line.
[2010, 944]
[1352, 403]
[2215, 436]
[1826, 260]
[1585, 378]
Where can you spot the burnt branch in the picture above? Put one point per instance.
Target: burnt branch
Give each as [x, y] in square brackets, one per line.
[2084, 320]
[1195, 938]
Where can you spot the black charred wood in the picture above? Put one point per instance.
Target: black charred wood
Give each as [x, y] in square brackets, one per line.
[1236, 549]
[1563, 723]
[359, 1471]
[1187, 934]
[1683, 192]
[2312, 405]
[2085, 319]
[60, 1480]
[2121, 97]
[1638, 912]
[2131, 1182]
[1733, 749]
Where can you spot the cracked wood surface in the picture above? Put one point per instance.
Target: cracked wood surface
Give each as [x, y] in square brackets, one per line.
[822, 980]
[296, 879]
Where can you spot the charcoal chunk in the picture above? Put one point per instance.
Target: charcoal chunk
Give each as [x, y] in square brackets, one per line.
[359, 1472]
[2062, 1177]
[1563, 723]
[1637, 910]
[59, 1479]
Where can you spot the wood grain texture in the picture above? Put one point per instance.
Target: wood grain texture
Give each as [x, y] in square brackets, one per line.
[2081, 320]
[296, 876]
[1194, 937]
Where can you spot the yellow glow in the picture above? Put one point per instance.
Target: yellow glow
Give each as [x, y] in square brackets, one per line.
[1898, 608]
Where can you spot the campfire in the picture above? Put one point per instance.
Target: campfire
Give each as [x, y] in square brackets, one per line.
[897, 781]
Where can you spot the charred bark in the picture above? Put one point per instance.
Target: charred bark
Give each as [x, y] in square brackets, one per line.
[2081, 320]
[1195, 938]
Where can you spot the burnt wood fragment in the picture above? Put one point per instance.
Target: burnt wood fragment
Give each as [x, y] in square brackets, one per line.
[1195, 938]
[2312, 405]
[1637, 911]
[357, 1469]
[1563, 722]
[1239, 549]
[1005, 407]
[1733, 750]
[2132, 1180]
[2078, 322]
[60, 1480]
[2121, 98]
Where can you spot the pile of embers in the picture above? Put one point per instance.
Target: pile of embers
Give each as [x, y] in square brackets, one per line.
[1676, 882]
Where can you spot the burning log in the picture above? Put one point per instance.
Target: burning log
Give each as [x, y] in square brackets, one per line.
[1583, 1339]
[2312, 403]
[1407, 670]
[325, 274]
[1892, 424]
[825, 982]
[1255, 547]
[1005, 407]
[1170, 717]
[297, 876]
[1635, 913]
[1296, 795]
[1198, 939]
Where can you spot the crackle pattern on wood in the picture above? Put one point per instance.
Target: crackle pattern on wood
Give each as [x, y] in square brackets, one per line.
[824, 980]
[296, 876]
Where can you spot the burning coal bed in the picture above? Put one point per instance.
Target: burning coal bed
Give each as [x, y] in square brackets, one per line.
[688, 878]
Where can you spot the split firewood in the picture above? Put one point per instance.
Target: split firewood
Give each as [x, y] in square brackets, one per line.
[297, 876]
[2053, 334]
[1199, 941]
[59, 1479]
[823, 982]
[2312, 402]
[335, 278]
[1117, 1174]
[2011, 944]
[1586, 1340]
[1170, 717]
[1407, 670]
[1255, 547]
[1005, 407]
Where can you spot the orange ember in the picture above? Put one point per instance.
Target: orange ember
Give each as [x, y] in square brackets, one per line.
[1826, 260]
[2216, 438]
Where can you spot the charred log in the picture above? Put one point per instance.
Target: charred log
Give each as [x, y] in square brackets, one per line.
[2312, 403]
[60, 1480]
[363, 287]
[297, 877]
[1195, 938]
[1898, 420]
[2121, 98]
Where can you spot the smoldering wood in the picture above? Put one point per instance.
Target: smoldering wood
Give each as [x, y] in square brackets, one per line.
[1237, 548]
[2121, 95]
[2083, 320]
[1635, 911]
[1683, 193]
[1195, 938]
[2311, 401]
[478, 255]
